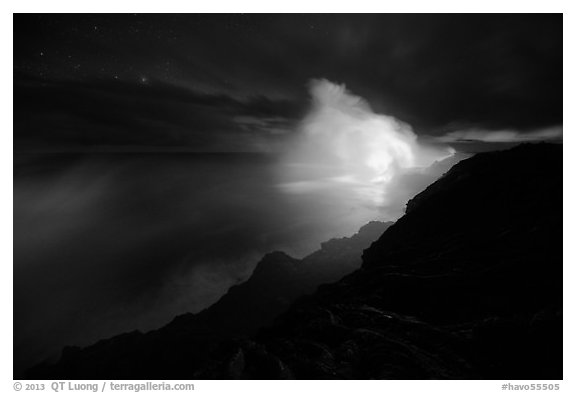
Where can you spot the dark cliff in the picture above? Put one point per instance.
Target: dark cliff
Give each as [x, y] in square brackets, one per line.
[467, 284]
[277, 281]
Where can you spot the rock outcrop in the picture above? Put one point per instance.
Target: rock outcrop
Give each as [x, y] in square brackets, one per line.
[277, 281]
[467, 284]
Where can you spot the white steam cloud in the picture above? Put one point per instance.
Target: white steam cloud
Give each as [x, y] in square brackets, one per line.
[344, 147]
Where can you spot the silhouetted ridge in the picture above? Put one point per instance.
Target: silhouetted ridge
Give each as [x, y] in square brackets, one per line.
[275, 283]
[467, 284]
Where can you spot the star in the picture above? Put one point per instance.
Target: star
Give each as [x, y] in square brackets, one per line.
[143, 79]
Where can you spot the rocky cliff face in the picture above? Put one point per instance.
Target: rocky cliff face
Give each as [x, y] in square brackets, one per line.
[275, 284]
[468, 284]
[277, 281]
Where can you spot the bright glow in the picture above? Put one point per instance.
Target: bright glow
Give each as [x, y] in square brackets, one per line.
[343, 142]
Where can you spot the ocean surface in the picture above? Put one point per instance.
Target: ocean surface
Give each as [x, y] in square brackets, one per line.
[106, 243]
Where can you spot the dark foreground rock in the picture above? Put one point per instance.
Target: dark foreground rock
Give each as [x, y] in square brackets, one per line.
[468, 284]
[275, 284]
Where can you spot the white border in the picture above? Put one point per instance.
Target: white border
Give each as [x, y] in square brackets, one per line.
[6, 166]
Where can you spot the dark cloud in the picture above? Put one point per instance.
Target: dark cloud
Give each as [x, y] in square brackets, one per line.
[155, 114]
[181, 80]
[502, 136]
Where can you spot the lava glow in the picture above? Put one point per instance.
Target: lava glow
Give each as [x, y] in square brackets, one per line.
[343, 145]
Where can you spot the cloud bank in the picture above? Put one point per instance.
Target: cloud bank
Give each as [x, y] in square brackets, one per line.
[502, 136]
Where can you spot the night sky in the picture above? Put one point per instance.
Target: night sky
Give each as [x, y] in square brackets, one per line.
[240, 82]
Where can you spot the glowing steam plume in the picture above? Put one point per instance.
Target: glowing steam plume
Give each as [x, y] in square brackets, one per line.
[342, 143]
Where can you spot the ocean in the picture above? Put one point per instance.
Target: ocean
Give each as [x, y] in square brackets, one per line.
[106, 243]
